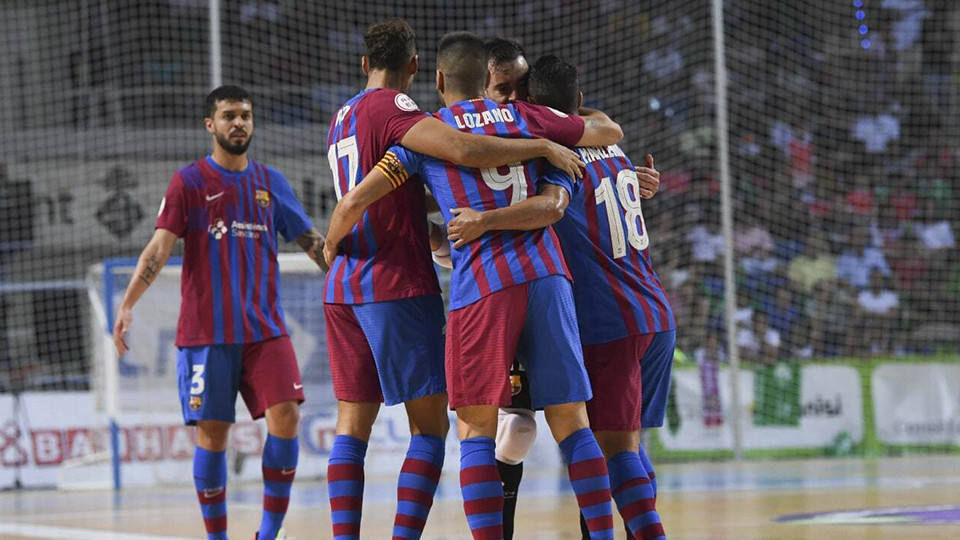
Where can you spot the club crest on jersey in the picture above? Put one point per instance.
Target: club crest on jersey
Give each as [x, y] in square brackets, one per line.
[195, 403]
[516, 385]
[262, 197]
[218, 229]
[405, 103]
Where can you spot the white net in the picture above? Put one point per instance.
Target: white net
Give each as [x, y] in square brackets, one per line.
[842, 145]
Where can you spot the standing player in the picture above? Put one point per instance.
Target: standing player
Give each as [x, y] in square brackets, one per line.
[231, 335]
[495, 285]
[626, 323]
[507, 82]
[384, 315]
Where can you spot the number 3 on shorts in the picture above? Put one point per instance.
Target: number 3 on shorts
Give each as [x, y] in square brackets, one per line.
[196, 382]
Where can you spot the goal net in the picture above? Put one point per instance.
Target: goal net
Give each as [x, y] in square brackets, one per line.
[843, 181]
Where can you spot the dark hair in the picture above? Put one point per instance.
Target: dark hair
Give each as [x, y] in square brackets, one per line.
[226, 92]
[501, 50]
[462, 58]
[390, 44]
[555, 83]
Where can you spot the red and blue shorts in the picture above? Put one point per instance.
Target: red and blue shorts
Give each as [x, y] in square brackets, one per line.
[631, 379]
[265, 373]
[535, 322]
[389, 352]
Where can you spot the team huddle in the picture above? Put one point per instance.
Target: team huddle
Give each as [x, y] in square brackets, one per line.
[554, 303]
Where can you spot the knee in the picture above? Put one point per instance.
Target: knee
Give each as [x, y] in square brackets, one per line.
[283, 419]
[617, 442]
[516, 433]
[566, 419]
[212, 435]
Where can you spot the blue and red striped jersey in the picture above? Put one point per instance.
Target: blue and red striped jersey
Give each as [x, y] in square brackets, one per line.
[498, 259]
[229, 222]
[604, 238]
[387, 254]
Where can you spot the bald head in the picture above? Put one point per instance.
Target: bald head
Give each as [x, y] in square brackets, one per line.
[462, 59]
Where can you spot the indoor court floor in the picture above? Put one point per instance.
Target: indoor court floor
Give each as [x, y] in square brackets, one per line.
[848, 499]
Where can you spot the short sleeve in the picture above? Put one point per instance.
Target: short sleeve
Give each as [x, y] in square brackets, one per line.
[548, 123]
[289, 217]
[173, 208]
[555, 176]
[396, 112]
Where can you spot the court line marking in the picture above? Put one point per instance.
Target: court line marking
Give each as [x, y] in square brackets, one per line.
[69, 533]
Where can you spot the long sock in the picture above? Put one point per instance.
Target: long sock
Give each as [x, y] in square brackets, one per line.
[648, 466]
[417, 485]
[210, 479]
[510, 476]
[279, 468]
[591, 483]
[634, 495]
[345, 486]
[585, 532]
[481, 488]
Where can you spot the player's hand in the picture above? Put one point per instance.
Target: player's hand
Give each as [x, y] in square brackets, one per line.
[649, 179]
[330, 253]
[466, 226]
[565, 159]
[120, 328]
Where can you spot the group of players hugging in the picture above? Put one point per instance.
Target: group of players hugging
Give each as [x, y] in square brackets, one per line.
[554, 303]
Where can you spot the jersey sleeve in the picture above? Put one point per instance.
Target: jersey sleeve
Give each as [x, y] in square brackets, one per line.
[548, 123]
[555, 176]
[396, 112]
[289, 217]
[173, 208]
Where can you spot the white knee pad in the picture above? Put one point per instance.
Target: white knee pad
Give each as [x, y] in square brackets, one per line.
[516, 432]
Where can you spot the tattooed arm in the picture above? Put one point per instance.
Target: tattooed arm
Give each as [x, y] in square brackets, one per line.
[152, 259]
[312, 243]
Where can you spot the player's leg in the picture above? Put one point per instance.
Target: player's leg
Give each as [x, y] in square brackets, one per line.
[406, 337]
[209, 378]
[516, 433]
[558, 382]
[615, 412]
[357, 389]
[271, 387]
[481, 344]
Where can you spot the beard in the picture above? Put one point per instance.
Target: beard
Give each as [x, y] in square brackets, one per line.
[235, 149]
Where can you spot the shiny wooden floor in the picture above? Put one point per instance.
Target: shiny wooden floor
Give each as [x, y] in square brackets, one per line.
[697, 501]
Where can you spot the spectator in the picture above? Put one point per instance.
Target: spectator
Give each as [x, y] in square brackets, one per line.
[856, 263]
[878, 309]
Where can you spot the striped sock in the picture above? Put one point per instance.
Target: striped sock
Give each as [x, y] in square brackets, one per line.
[417, 485]
[634, 495]
[279, 469]
[210, 479]
[591, 483]
[345, 486]
[648, 466]
[481, 488]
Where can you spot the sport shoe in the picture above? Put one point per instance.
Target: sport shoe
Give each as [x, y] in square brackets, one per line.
[281, 535]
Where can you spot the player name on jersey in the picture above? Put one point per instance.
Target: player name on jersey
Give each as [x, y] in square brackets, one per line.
[589, 155]
[473, 120]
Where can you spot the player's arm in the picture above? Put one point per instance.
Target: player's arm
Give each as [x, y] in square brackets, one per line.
[598, 129]
[649, 178]
[151, 260]
[388, 175]
[435, 138]
[311, 242]
[537, 212]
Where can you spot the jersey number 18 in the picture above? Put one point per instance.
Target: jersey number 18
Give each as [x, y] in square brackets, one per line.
[628, 187]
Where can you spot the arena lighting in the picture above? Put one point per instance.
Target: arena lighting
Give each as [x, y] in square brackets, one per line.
[864, 30]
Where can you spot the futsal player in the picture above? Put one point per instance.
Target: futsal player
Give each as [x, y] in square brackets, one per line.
[384, 315]
[626, 323]
[231, 334]
[510, 291]
[517, 429]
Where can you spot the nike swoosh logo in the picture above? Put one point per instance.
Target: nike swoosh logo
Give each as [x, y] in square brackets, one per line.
[287, 472]
[297, 386]
[214, 197]
[212, 493]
